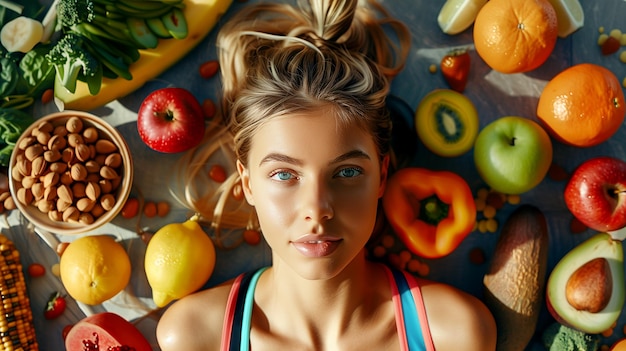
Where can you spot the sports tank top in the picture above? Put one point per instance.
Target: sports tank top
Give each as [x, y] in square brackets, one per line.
[411, 322]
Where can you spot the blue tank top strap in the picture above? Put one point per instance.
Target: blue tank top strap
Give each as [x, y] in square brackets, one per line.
[412, 327]
[240, 334]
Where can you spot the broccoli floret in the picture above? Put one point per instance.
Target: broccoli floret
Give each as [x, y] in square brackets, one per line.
[73, 61]
[71, 12]
[557, 337]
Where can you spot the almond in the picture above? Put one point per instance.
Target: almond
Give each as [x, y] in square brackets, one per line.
[45, 206]
[63, 205]
[15, 173]
[107, 172]
[85, 218]
[82, 152]
[55, 215]
[114, 160]
[104, 146]
[24, 166]
[78, 189]
[38, 190]
[107, 201]
[33, 151]
[90, 135]
[58, 167]
[24, 196]
[28, 181]
[92, 190]
[71, 214]
[57, 142]
[65, 193]
[66, 178]
[92, 166]
[52, 155]
[43, 138]
[74, 125]
[50, 179]
[105, 186]
[78, 172]
[97, 210]
[50, 193]
[74, 139]
[39, 166]
[26, 142]
[85, 204]
[9, 204]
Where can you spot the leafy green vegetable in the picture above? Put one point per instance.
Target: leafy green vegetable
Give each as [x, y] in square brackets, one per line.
[8, 76]
[13, 122]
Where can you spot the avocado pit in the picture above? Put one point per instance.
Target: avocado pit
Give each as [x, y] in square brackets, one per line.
[590, 286]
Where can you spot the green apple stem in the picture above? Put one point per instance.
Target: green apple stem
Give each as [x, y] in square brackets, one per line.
[433, 210]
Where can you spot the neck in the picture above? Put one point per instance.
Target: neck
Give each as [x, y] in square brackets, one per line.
[321, 307]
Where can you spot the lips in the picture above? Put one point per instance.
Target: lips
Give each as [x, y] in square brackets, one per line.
[315, 246]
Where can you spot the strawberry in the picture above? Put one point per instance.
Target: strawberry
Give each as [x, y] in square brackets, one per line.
[455, 68]
[55, 307]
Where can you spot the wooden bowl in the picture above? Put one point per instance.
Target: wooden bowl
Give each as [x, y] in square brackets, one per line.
[70, 172]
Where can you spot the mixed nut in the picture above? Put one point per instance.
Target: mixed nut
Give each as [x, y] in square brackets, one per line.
[69, 171]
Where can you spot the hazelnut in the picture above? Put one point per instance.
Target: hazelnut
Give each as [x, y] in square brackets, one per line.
[74, 139]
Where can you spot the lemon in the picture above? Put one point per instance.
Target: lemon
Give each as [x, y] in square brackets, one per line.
[456, 16]
[570, 16]
[179, 259]
[94, 269]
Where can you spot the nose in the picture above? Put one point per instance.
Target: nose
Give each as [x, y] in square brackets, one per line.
[317, 202]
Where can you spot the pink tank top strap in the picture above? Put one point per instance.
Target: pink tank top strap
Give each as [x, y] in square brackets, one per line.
[229, 315]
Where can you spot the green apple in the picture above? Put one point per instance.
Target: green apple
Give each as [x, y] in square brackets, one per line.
[512, 154]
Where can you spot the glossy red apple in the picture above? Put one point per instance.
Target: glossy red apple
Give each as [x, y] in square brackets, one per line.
[170, 120]
[596, 193]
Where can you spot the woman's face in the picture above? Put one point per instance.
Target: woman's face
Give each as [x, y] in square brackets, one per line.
[315, 186]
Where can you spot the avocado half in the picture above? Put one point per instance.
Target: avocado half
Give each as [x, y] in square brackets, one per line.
[597, 265]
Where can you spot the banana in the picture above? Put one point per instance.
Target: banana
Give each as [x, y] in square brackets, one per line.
[21, 34]
[201, 16]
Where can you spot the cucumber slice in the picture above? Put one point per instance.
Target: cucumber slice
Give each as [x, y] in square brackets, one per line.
[157, 27]
[140, 32]
[176, 23]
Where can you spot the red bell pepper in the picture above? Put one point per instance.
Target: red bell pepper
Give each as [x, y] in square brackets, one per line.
[430, 211]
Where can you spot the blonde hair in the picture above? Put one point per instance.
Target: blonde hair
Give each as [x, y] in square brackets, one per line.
[280, 59]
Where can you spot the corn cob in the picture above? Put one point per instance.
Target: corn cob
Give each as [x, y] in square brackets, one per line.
[17, 331]
[201, 17]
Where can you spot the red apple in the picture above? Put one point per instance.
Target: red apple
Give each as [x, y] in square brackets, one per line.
[596, 193]
[170, 120]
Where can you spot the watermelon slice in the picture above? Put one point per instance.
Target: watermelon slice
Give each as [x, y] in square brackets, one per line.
[105, 331]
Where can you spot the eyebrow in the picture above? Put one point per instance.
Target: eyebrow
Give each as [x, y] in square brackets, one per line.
[278, 157]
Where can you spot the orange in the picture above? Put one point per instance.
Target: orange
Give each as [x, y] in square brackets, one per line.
[94, 269]
[514, 36]
[582, 106]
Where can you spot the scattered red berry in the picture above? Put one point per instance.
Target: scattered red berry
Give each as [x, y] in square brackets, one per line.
[36, 270]
[131, 208]
[208, 107]
[455, 67]
[610, 46]
[209, 68]
[252, 237]
[217, 173]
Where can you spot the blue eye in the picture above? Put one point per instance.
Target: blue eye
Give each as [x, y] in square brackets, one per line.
[349, 172]
[282, 175]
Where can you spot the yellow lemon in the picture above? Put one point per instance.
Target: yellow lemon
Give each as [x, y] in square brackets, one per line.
[94, 269]
[179, 259]
[570, 16]
[456, 16]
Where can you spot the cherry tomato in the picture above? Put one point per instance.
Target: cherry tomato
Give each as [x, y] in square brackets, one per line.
[208, 107]
[252, 237]
[36, 270]
[55, 307]
[163, 208]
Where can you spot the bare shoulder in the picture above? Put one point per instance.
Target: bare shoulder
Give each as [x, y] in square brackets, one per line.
[195, 321]
[458, 320]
